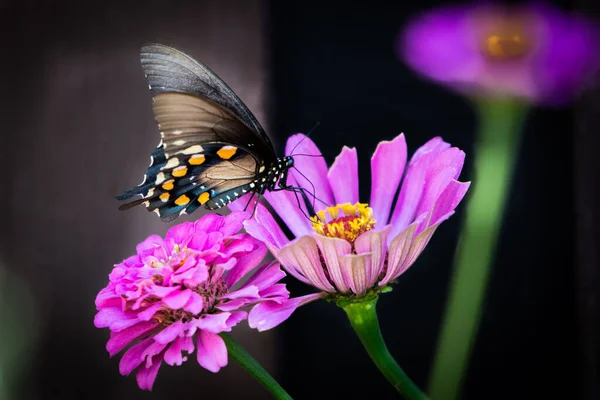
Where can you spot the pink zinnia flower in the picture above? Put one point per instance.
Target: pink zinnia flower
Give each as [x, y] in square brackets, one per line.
[532, 51]
[353, 249]
[178, 293]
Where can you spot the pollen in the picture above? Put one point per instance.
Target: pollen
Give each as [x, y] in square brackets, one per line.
[344, 221]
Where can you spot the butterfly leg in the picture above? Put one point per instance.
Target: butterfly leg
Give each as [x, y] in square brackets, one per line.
[296, 190]
[249, 201]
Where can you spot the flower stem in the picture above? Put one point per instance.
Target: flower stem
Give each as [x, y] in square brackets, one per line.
[497, 148]
[254, 368]
[363, 318]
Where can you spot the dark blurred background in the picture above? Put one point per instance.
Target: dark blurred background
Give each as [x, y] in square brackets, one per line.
[77, 130]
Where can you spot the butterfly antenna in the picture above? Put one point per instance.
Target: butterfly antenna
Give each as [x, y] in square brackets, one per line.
[314, 190]
[309, 155]
[305, 136]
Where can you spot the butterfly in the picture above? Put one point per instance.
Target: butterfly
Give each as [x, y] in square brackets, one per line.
[212, 149]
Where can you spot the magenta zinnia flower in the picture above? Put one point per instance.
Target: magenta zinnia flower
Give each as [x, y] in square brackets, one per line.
[178, 293]
[352, 248]
[531, 51]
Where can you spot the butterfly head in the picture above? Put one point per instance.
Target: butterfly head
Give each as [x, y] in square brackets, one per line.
[288, 162]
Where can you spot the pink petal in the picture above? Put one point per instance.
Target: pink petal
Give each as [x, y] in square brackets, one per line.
[135, 261]
[149, 245]
[278, 293]
[189, 262]
[146, 375]
[224, 266]
[107, 298]
[163, 291]
[445, 168]
[242, 245]
[264, 228]
[153, 350]
[195, 304]
[198, 241]
[375, 243]
[170, 333]
[149, 312]
[285, 204]
[303, 254]
[246, 264]
[413, 186]
[212, 353]
[269, 314]
[232, 305]
[233, 223]
[244, 203]
[355, 269]
[314, 169]
[173, 354]
[178, 299]
[181, 233]
[332, 249]
[449, 199]
[266, 276]
[119, 340]
[343, 177]
[292, 270]
[250, 291]
[115, 318]
[235, 318]
[209, 223]
[417, 247]
[387, 167]
[398, 251]
[133, 357]
[215, 323]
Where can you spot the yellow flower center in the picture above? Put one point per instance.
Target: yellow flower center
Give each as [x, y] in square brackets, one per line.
[500, 47]
[505, 36]
[344, 221]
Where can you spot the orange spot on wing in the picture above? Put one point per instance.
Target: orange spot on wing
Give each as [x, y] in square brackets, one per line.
[179, 172]
[168, 185]
[181, 200]
[164, 196]
[203, 198]
[226, 152]
[197, 159]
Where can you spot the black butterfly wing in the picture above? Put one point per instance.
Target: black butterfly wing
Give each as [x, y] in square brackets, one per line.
[171, 71]
[193, 166]
[212, 147]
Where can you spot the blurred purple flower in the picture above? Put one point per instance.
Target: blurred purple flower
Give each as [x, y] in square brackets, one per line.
[180, 292]
[532, 51]
[352, 249]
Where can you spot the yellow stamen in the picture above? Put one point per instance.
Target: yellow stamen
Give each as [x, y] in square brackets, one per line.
[344, 221]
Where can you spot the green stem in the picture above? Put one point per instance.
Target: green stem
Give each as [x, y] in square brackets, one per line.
[496, 151]
[254, 368]
[363, 318]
